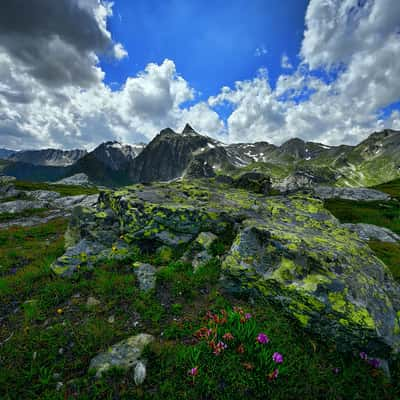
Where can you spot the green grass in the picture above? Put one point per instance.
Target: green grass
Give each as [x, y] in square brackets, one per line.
[381, 213]
[64, 190]
[47, 346]
[392, 188]
[30, 248]
[389, 253]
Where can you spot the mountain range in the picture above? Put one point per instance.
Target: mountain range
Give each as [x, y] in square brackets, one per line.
[171, 155]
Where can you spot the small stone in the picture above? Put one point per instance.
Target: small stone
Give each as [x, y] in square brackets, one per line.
[146, 275]
[125, 354]
[140, 373]
[92, 302]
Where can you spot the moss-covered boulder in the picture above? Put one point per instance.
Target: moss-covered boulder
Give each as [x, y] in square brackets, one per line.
[322, 274]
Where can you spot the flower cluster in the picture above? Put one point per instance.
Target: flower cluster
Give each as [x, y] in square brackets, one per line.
[236, 330]
[374, 362]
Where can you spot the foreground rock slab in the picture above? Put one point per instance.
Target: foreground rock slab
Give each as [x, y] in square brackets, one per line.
[125, 355]
[320, 273]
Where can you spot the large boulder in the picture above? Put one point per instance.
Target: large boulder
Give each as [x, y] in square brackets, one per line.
[321, 274]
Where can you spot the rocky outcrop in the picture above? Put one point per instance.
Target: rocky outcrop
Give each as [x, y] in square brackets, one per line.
[288, 250]
[254, 181]
[360, 194]
[319, 272]
[373, 232]
[124, 355]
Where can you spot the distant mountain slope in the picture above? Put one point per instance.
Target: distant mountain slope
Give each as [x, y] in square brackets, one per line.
[48, 157]
[108, 163]
[5, 153]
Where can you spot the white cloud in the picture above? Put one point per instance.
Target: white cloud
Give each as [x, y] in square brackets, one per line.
[260, 51]
[285, 62]
[362, 39]
[120, 52]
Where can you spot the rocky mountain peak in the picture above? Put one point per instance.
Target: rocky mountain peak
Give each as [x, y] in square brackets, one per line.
[188, 129]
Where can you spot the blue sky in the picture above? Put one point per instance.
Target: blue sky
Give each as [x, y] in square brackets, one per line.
[212, 43]
[74, 73]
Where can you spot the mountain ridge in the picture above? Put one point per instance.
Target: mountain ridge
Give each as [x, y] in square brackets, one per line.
[171, 155]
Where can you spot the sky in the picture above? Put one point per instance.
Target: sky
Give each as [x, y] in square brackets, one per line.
[74, 73]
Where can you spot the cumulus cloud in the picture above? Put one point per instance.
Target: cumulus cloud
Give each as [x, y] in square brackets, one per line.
[357, 42]
[285, 62]
[58, 42]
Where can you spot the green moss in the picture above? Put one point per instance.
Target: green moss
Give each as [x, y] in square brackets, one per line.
[302, 318]
[286, 270]
[311, 282]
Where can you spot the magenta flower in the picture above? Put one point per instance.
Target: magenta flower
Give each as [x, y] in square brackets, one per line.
[273, 375]
[247, 316]
[336, 370]
[193, 371]
[277, 358]
[363, 356]
[262, 338]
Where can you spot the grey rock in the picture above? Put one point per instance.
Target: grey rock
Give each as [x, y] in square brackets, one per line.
[373, 232]
[125, 354]
[80, 179]
[76, 201]
[206, 239]
[18, 206]
[43, 195]
[83, 253]
[4, 179]
[361, 194]
[146, 275]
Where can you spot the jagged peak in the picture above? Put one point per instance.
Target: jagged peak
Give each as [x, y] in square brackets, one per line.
[188, 129]
[167, 131]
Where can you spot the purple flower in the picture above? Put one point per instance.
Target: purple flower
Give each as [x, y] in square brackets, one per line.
[336, 370]
[278, 358]
[247, 316]
[374, 363]
[262, 338]
[363, 356]
[193, 371]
